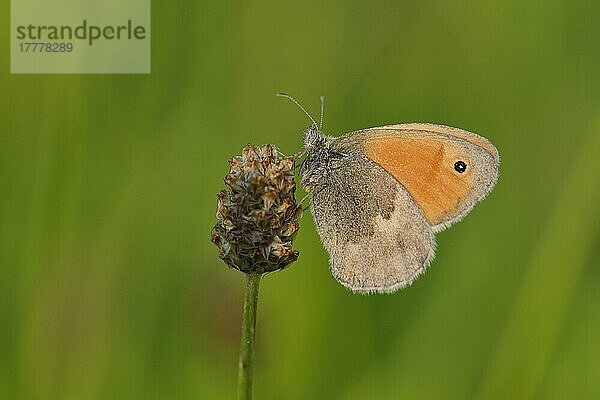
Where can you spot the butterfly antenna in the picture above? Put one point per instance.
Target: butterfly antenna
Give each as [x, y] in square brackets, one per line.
[298, 104]
[322, 112]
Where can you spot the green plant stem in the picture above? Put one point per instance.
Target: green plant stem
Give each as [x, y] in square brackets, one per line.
[247, 344]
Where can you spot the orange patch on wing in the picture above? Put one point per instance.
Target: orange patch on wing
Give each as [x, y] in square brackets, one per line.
[424, 165]
[450, 131]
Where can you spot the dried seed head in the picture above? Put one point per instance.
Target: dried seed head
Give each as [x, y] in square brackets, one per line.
[257, 214]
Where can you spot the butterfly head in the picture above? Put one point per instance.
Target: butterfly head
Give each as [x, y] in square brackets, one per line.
[313, 138]
[318, 155]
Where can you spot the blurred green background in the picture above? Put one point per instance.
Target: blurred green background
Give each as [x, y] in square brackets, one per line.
[110, 288]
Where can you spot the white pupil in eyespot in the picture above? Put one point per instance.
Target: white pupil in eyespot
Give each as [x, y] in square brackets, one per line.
[460, 166]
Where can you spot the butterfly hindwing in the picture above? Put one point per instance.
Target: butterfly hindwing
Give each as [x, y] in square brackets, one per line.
[378, 239]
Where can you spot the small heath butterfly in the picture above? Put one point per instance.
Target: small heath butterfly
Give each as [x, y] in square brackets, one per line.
[379, 195]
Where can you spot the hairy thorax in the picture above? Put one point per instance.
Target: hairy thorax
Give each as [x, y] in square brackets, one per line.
[318, 164]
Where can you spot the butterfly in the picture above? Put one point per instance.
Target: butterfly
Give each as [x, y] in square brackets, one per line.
[379, 196]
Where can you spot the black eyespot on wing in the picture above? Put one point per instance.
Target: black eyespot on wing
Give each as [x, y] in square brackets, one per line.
[460, 166]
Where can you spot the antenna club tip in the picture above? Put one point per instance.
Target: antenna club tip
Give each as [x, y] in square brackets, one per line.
[281, 94]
